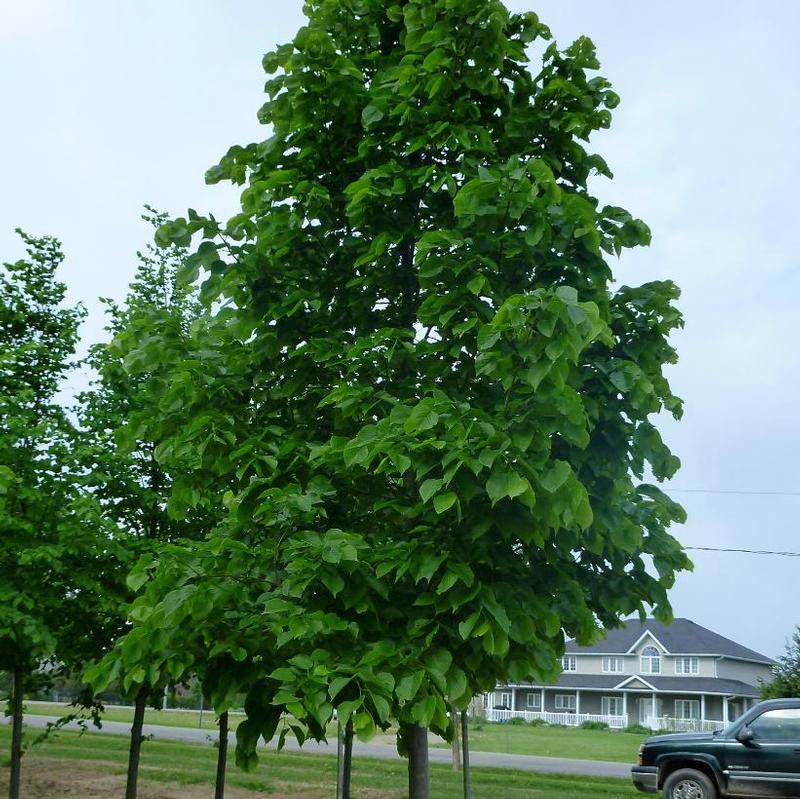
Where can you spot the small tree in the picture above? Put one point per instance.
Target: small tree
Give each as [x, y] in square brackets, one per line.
[133, 489]
[56, 579]
[786, 674]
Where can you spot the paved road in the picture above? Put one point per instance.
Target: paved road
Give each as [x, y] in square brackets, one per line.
[376, 749]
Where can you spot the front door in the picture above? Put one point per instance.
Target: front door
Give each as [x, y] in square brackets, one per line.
[769, 765]
[649, 710]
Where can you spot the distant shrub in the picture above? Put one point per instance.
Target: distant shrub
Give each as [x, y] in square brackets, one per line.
[638, 729]
[517, 721]
[594, 725]
[538, 723]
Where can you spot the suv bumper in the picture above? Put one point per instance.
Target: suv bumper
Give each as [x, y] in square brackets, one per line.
[645, 778]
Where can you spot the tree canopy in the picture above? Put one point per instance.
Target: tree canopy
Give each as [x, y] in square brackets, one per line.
[51, 536]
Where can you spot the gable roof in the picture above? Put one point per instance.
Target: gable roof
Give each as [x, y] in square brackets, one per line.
[682, 637]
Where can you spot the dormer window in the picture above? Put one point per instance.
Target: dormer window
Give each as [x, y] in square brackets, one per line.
[569, 663]
[651, 660]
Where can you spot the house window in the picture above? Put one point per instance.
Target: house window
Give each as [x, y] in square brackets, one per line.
[534, 700]
[613, 665]
[687, 708]
[686, 665]
[569, 663]
[565, 702]
[611, 705]
[651, 660]
[505, 700]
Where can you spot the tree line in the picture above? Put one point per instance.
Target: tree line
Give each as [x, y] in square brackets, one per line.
[381, 440]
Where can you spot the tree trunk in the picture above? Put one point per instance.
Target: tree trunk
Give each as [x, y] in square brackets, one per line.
[465, 745]
[347, 769]
[222, 756]
[455, 748]
[418, 787]
[16, 733]
[345, 760]
[136, 743]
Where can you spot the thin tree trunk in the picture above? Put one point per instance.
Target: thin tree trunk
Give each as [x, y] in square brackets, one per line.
[344, 762]
[16, 734]
[136, 744]
[222, 756]
[418, 787]
[465, 745]
[455, 747]
[347, 762]
[339, 760]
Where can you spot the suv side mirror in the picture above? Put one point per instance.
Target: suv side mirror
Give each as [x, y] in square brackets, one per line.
[745, 735]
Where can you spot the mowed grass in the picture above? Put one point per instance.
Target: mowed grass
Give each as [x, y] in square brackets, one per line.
[167, 718]
[287, 774]
[571, 742]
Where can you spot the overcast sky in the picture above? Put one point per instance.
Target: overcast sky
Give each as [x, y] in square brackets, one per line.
[107, 106]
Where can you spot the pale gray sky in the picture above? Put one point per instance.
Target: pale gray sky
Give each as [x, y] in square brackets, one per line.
[107, 106]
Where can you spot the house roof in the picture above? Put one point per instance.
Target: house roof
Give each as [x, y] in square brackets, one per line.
[676, 685]
[682, 637]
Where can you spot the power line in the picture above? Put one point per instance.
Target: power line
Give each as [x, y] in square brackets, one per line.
[723, 491]
[748, 551]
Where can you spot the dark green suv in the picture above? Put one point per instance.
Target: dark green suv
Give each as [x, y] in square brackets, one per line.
[757, 755]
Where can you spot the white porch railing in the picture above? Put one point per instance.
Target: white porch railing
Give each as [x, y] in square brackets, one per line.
[683, 725]
[565, 719]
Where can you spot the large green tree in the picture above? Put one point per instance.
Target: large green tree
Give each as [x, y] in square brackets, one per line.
[439, 420]
[56, 559]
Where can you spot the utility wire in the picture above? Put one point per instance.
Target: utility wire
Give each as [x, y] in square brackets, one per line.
[748, 551]
[722, 491]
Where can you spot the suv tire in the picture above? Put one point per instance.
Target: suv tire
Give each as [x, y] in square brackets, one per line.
[688, 783]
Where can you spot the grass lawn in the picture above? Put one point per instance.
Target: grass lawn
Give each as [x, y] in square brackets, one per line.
[514, 739]
[168, 718]
[92, 766]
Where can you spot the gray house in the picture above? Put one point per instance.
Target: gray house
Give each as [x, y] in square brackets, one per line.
[680, 676]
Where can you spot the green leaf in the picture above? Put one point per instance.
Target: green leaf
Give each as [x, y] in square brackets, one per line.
[421, 418]
[429, 488]
[370, 115]
[444, 502]
[409, 685]
[436, 59]
[477, 284]
[504, 483]
[555, 476]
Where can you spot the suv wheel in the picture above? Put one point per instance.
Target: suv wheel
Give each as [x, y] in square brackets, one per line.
[686, 783]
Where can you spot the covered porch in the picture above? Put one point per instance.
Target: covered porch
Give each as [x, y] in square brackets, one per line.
[619, 707]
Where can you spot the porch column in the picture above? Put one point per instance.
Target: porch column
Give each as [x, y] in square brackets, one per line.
[542, 707]
[702, 707]
[725, 709]
[513, 699]
[653, 708]
[577, 702]
[624, 703]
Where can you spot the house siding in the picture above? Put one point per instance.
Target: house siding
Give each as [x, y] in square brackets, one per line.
[742, 670]
[593, 664]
